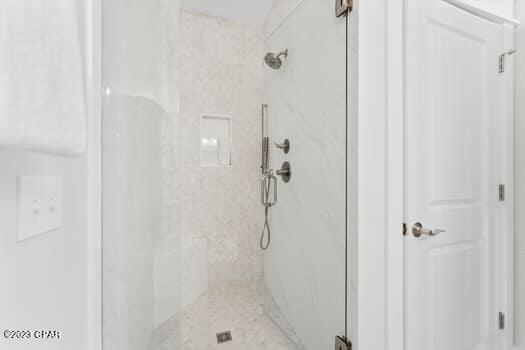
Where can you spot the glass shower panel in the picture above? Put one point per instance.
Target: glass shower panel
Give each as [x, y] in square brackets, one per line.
[141, 272]
[304, 267]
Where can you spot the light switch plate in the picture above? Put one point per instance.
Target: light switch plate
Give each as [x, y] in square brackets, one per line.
[39, 205]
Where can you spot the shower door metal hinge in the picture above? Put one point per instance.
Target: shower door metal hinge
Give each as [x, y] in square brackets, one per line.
[343, 7]
[341, 343]
[502, 59]
[501, 193]
[501, 321]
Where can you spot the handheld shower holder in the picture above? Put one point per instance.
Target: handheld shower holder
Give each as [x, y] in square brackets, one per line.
[268, 181]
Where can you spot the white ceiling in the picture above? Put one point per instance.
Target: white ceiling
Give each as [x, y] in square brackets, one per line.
[252, 12]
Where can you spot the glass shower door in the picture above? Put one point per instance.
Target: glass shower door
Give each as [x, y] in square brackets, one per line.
[182, 216]
[305, 265]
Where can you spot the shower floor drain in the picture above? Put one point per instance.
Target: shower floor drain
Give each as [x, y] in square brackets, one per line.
[224, 337]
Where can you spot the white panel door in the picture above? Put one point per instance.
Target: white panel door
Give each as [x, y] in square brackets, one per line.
[454, 161]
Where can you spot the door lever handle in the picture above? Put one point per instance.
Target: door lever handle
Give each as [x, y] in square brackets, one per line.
[418, 230]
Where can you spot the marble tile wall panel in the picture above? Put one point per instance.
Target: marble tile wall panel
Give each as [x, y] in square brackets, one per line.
[281, 9]
[221, 73]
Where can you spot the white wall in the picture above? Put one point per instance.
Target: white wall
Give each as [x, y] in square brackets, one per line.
[44, 279]
[45, 282]
[519, 178]
[379, 215]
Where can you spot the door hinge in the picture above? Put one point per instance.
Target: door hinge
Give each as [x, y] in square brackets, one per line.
[341, 343]
[501, 193]
[502, 59]
[343, 7]
[501, 321]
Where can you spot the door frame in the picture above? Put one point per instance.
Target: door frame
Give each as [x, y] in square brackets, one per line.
[380, 182]
[380, 188]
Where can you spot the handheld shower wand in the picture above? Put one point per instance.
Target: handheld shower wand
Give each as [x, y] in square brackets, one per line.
[265, 141]
[265, 152]
[267, 181]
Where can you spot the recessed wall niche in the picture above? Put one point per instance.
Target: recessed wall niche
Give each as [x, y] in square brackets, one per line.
[216, 140]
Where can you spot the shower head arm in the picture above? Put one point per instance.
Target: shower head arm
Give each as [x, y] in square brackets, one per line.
[283, 53]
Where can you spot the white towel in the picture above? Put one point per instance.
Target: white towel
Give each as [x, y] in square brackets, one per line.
[42, 97]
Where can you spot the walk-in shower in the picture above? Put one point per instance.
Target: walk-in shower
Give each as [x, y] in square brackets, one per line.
[224, 226]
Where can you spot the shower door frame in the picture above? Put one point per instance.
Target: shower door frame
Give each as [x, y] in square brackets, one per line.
[380, 121]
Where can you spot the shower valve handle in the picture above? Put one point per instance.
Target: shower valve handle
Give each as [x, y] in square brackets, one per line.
[285, 172]
[285, 146]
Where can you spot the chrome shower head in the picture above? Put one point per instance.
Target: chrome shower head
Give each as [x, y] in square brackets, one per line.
[274, 60]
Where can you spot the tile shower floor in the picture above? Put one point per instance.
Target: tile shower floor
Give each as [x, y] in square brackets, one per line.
[235, 308]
